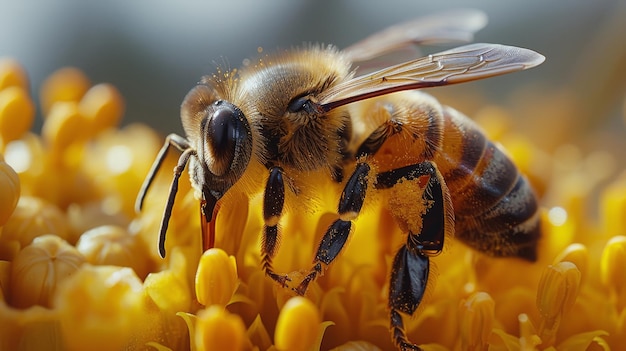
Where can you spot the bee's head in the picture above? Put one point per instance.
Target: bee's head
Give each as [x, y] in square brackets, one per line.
[220, 133]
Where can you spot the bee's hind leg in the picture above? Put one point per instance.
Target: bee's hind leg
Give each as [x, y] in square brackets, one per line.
[411, 265]
[409, 277]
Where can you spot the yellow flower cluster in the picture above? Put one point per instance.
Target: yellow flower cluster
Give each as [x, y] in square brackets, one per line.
[79, 269]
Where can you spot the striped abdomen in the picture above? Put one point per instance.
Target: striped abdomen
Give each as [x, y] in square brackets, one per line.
[496, 210]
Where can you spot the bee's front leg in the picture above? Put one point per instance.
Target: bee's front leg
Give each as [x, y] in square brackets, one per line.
[188, 151]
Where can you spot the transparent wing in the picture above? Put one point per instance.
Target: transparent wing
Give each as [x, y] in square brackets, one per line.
[452, 26]
[462, 64]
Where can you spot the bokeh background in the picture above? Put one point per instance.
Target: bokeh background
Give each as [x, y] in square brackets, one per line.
[155, 51]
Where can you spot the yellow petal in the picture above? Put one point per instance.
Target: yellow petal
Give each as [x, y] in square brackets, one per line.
[501, 340]
[219, 330]
[169, 290]
[216, 278]
[297, 326]
[528, 339]
[583, 341]
[612, 207]
[258, 334]
[357, 346]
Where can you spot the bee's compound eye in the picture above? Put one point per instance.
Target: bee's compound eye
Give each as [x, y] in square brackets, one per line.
[298, 104]
[227, 138]
[223, 130]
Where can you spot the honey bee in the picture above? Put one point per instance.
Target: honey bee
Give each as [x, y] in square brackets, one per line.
[309, 113]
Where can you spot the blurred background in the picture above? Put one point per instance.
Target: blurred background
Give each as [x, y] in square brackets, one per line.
[155, 52]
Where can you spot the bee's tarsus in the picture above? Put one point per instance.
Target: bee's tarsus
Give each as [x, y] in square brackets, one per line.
[304, 284]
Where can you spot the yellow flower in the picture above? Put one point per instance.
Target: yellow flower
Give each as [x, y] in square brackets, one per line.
[79, 266]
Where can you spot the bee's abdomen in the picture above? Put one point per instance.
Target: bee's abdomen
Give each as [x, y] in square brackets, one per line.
[495, 208]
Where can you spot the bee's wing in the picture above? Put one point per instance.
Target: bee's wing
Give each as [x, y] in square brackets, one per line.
[462, 64]
[451, 26]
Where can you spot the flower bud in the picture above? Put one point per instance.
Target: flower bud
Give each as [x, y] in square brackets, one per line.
[216, 278]
[10, 190]
[34, 217]
[477, 315]
[64, 126]
[578, 254]
[65, 84]
[102, 106]
[556, 295]
[219, 330]
[612, 265]
[17, 112]
[12, 74]
[39, 268]
[113, 245]
[100, 308]
[297, 325]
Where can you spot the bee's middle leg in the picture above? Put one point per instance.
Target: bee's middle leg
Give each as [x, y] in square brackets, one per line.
[273, 203]
[337, 234]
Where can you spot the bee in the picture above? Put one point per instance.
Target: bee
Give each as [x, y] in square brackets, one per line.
[309, 113]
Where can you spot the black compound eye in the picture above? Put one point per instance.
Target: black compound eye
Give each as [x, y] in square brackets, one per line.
[228, 143]
[298, 104]
[223, 130]
[305, 103]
